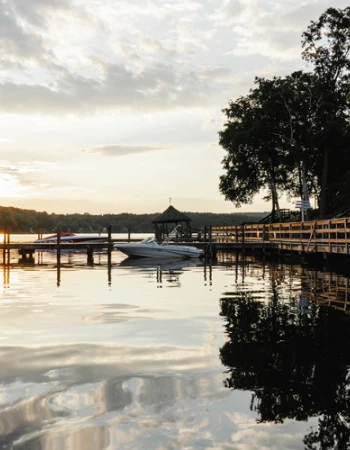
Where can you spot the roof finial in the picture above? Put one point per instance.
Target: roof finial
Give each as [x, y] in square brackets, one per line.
[170, 200]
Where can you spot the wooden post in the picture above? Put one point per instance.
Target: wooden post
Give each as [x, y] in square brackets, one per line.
[209, 249]
[58, 256]
[58, 270]
[109, 271]
[8, 249]
[4, 247]
[212, 247]
[90, 255]
[109, 253]
[58, 251]
[242, 227]
[109, 230]
[58, 243]
[210, 242]
[129, 232]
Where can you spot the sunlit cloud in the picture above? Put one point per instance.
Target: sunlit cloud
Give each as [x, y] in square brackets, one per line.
[122, 150]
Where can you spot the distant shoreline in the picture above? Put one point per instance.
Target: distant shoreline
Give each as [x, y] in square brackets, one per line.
[18, 220]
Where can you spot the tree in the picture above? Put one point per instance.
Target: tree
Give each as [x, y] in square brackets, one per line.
[292, 134]
[255, 159]
[326, 45]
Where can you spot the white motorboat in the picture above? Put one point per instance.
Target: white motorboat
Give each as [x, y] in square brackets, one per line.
[71, 238]
[149, 248]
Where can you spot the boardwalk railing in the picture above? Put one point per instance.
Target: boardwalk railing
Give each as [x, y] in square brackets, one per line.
[326, 236]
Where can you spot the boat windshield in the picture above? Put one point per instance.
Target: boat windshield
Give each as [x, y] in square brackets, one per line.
[150, 241]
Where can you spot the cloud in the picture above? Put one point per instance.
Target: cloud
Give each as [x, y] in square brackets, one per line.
[220, 74]
[273, 44]
[32, 32]
[15, 40]
[122, 150]
[265, 28]
[160, 56]
[23, 175]
[158, 86]
[230, 11]
[50, 70]
[156, 45]
[34, 11]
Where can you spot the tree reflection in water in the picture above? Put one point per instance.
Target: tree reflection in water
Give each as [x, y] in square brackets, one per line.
[296, 364]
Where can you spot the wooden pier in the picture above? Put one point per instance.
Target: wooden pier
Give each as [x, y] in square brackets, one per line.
[320, 236]
[325, 237]
[27, 249]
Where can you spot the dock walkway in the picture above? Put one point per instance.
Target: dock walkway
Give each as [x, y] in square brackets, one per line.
[321, 236]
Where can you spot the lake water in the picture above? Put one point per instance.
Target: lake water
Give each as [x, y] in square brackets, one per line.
[237, 354]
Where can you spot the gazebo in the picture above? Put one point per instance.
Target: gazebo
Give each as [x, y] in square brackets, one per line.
[168, 220]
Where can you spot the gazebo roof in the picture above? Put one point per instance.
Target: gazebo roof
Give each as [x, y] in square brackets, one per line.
[171, 215]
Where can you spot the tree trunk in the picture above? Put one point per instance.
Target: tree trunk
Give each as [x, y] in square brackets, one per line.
[273, 212]
[300, 179]
[275, 198]
[305, 190]
[324, 200]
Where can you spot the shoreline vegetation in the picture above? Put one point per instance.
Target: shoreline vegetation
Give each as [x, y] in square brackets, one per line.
[18, 220]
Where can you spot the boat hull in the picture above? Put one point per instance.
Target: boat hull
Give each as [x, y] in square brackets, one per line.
[73, 239]
[166, 251]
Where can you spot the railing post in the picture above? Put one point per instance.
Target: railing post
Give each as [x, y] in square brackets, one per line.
[242, 226]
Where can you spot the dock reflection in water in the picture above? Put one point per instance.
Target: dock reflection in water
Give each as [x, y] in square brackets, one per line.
[168, 271]
[239, 354]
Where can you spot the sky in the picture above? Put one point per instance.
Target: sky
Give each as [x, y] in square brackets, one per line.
[111, 106]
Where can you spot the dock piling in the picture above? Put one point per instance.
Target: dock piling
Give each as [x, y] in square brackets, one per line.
[109, 254]
[58, 243]
[6, 247]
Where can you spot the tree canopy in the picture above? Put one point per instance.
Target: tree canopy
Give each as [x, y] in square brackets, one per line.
[291, 134]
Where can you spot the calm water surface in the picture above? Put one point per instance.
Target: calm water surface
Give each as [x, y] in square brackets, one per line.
[175, 355]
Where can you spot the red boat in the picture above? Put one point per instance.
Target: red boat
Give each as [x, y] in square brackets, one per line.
[71, 238]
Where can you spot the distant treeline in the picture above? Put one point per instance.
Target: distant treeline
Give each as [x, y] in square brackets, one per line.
[29, 221]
